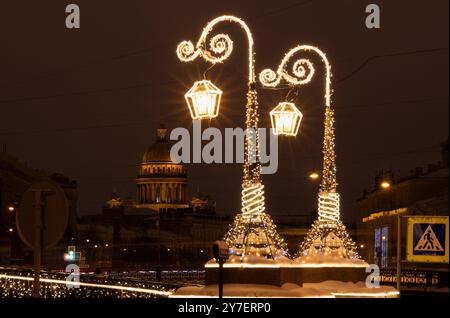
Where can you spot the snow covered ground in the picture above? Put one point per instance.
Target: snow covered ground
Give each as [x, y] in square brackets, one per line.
[327, 289]
[317, 260]
[350, 289]
[251, 291]
[330, 260]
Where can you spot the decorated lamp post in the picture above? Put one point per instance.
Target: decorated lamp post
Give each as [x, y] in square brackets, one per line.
[253, 232]
[328, 234]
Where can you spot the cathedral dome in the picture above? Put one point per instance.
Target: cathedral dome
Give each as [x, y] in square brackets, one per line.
[162, 183]
[159, 151]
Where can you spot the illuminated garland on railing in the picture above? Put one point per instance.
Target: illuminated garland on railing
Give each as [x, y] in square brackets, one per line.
[22, 286]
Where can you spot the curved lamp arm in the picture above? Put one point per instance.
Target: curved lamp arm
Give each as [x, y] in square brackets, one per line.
[220, 46]
[302, 71]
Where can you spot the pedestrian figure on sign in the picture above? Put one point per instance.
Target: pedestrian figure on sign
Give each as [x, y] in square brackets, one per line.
[429, 241]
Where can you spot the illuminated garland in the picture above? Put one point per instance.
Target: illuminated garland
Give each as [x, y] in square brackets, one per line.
[317, 241]
[329, 183]
[220, 46]
[303, 71]
[252, 201]
[252, 227]
[55, 286]
[256, 237]
[328, 206]
[328, 197]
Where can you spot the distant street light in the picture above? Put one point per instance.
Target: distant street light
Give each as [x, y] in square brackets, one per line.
[314, 175]
[11, 208]
[385, 184]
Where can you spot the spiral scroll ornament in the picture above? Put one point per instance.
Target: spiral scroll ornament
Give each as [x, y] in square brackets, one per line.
[303, 71]
[186, 51]
[221, 45]
[269, 78]
[219, 48]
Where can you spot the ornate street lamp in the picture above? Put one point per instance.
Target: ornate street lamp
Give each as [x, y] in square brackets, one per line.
[328, 224]
[203, 100]
[253, 232]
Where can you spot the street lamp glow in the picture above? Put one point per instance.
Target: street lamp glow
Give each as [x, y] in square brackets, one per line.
[10, 230]
[285, 119]
[385, 184]
[314, 175]
[203, 100]
[11, 208]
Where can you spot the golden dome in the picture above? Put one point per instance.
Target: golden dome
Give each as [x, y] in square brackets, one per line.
[159, 151]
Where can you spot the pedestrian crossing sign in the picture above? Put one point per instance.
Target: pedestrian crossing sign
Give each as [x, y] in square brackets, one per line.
[428, 239]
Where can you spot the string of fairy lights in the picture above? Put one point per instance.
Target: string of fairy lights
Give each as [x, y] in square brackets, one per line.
[20, 285]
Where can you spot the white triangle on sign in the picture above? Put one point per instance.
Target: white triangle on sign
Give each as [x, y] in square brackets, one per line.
[429, 242]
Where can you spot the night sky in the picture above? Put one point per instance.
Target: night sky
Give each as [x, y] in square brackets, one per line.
[86, 102]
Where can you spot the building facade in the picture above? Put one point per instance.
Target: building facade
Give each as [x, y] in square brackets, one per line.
[422, 193]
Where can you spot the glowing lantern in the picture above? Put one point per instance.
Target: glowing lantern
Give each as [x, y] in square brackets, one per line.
[285, 119]
[203, 100]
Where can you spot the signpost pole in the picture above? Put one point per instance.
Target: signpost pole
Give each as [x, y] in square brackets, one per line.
[42, 217]
[221, 254]
[399, 251]
[37, 242]
[221, 260]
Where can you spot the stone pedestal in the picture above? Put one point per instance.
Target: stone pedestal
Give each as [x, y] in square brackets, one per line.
[280, 275]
